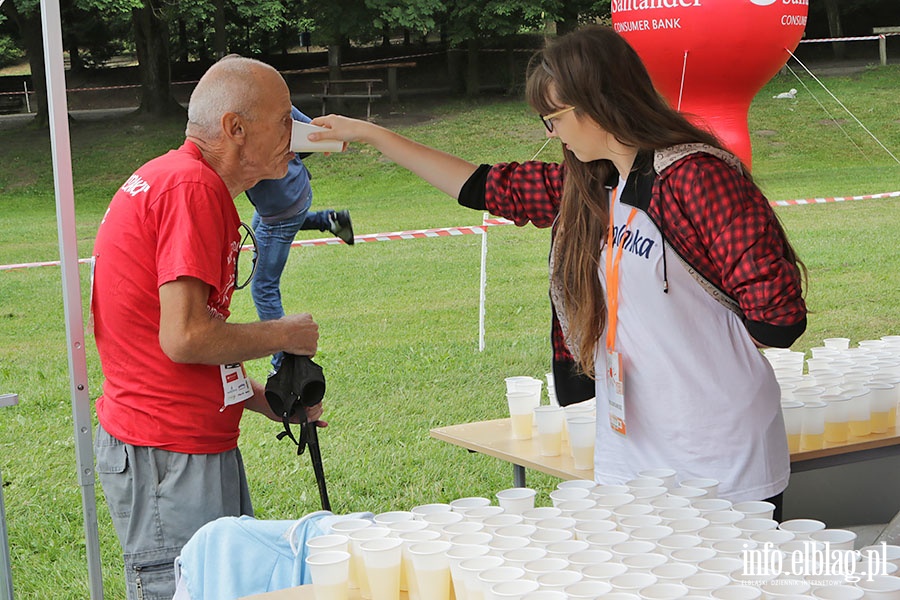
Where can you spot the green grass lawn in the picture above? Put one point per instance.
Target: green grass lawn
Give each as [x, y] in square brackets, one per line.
[399, 320]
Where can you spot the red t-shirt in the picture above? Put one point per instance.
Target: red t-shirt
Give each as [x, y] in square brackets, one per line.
[174, 217]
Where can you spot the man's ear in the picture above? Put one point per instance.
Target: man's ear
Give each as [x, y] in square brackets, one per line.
[233, 127]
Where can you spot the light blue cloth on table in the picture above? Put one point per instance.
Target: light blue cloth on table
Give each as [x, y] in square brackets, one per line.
[233, 557]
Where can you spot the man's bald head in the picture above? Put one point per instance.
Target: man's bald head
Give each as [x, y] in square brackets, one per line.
[231, 85]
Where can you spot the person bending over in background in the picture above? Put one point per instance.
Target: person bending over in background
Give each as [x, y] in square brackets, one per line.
[669, 268]
[282, 209]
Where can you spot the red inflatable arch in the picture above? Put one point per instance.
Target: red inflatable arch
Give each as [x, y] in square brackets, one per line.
[709, 58]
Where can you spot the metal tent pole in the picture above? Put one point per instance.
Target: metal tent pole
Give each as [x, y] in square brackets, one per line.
[6, 586]
[68, 250]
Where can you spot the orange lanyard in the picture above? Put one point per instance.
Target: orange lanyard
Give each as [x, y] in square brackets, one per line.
[612, 273]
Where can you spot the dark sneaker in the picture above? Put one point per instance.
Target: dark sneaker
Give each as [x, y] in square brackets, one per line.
[341, 225]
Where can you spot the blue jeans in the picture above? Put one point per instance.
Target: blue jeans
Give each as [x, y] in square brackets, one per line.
[273, 242]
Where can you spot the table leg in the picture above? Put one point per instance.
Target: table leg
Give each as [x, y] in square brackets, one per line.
[518, 476]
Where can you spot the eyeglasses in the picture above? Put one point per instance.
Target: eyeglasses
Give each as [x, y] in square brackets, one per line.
[254, 254]
[548, 119]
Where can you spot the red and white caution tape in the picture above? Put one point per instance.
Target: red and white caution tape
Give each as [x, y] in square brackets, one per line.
[835, 199]
[454, 231]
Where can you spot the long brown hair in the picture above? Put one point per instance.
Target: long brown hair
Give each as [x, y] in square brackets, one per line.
[595, 70]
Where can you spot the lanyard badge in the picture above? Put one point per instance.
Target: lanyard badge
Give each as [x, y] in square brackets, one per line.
[615, 385]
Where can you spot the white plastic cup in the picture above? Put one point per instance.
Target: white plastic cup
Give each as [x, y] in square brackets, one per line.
[562, 495]
[644, 563]
[880, 587]
[394, 516]
[407, 579]
[533, 515]
[330, 572]
[593, 514]
[693, 555]
[837, 592]
[490, 577]
[603, 571]
[631, 582]
[882, 401]
[733, 548]
[519, 530]
[776, 537]
[836, 343]
[666, 474]
[545, 595]
[426, 509]
[837, 416]
[545, 537]
[381, 557]
[402, 526]
[535, 568]
[324, 543]
[585, 558]
[512, 590]
[678, 541]
[631, 548]
[689, 492]
[651, 533]
[605, 540]
[703, 584]
[737, 592]
[517, 557]
[704, 483]
[583, 529]
[673, 572]
[461, 505]
[755, 508]
[587, 484]
[549, 421]
[632, 510]
[690, 525]
[802, 528]
[358, 575]
[560, 522]
[720, 564]
[724, 517]
[587, 589]
[837, 539]
[812, 435]
[491, 524]
[793, 424]
[780, 588]
[521, 414]
[663, 591]
[559, 580]
[753, 525]
[475, 538]
[706, 505]
[455, 555]
[431, 569]
[448, 531]
[438, 520]
[630, 524]
[612, 501]
[483, 513]
[570, 507]
[582, 432]
[469, 570]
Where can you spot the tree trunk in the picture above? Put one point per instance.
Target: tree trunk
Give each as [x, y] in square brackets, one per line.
[32, 37]
[568, 19]
[151, 42]
[834, 27]
[472, 79]
[221, 45]
[334, 72]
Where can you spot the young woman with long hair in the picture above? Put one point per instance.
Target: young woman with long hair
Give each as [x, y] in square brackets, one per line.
[669, 268]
